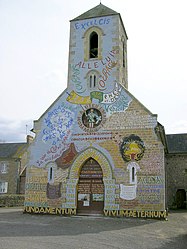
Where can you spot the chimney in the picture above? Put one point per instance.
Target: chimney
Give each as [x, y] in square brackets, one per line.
[29, 139]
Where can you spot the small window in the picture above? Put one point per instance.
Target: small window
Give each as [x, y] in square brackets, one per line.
[93, 45]
[94, 81]
[3, 167]
[133, 168]
[50, 175]
[133, 174]
[90, 81]
[3, 187]
[92, 78]
[123, 54]
[123, 50]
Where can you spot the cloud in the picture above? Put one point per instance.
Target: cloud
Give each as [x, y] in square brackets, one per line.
[180, 126]
[14, 130]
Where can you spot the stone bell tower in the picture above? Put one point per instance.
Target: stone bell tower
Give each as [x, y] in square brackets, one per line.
[97, 51]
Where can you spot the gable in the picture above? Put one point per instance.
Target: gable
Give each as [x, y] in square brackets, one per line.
[98, 11]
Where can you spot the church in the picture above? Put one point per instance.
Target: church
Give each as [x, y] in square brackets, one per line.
[97, 149]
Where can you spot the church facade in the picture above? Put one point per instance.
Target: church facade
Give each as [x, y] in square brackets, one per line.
[97, 149]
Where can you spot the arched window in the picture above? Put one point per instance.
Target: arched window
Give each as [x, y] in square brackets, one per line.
[50, 175]
[92, 81]
[92, 78]
[133, 174]
[93, 45]
[133, 167]
[51, 169]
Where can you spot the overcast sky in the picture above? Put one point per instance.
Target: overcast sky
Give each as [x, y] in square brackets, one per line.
[34, 44]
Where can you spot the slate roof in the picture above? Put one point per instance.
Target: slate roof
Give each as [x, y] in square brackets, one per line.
[177, 143]
[98, 11]
[11, 149]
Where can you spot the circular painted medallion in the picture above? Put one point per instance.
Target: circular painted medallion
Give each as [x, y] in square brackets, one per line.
[92, 118]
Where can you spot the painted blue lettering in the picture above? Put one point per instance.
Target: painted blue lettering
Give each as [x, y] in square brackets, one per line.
[107, 21]
[101, 21]
[83, 25]
[77, 25]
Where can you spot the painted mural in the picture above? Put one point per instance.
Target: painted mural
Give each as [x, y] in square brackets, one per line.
[80, 125]
[132, 150]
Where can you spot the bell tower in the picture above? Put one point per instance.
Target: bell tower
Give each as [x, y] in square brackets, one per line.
[97, 52]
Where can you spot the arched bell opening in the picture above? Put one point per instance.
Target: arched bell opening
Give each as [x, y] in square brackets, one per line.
[93, 45]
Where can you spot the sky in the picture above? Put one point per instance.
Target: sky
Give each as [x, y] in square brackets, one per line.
[34, 45]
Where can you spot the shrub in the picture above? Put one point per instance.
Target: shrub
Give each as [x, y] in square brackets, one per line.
[11, 200]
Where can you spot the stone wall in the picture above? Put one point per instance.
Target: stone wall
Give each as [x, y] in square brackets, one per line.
[11, 175]
[176, 176]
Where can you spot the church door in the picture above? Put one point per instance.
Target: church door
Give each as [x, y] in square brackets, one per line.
[90, 189]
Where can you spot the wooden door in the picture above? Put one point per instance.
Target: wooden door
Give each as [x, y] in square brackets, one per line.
[90, 189]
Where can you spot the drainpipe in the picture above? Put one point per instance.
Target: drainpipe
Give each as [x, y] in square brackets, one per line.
[18, 160]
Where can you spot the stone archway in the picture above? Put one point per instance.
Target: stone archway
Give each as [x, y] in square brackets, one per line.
[109, 183]
[96, 155]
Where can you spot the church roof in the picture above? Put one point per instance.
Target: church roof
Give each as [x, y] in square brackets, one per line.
[98, 11]
[177, 143]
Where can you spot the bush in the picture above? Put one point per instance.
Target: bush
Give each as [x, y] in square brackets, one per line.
[11, 200]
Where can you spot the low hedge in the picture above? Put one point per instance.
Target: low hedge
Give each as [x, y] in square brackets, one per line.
[11, 200]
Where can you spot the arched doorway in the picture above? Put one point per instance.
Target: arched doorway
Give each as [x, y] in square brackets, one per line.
[181, 198]
[90, 191]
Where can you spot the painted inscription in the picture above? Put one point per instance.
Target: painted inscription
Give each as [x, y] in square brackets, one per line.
[52, 153]
[150, 189]
[50, 210]
[35, 190]
[58, 125]
[120, 105]
[106, 72]
[93, 22]
[117, 213]
[107, 98]
[136, 214]
[75, 78]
